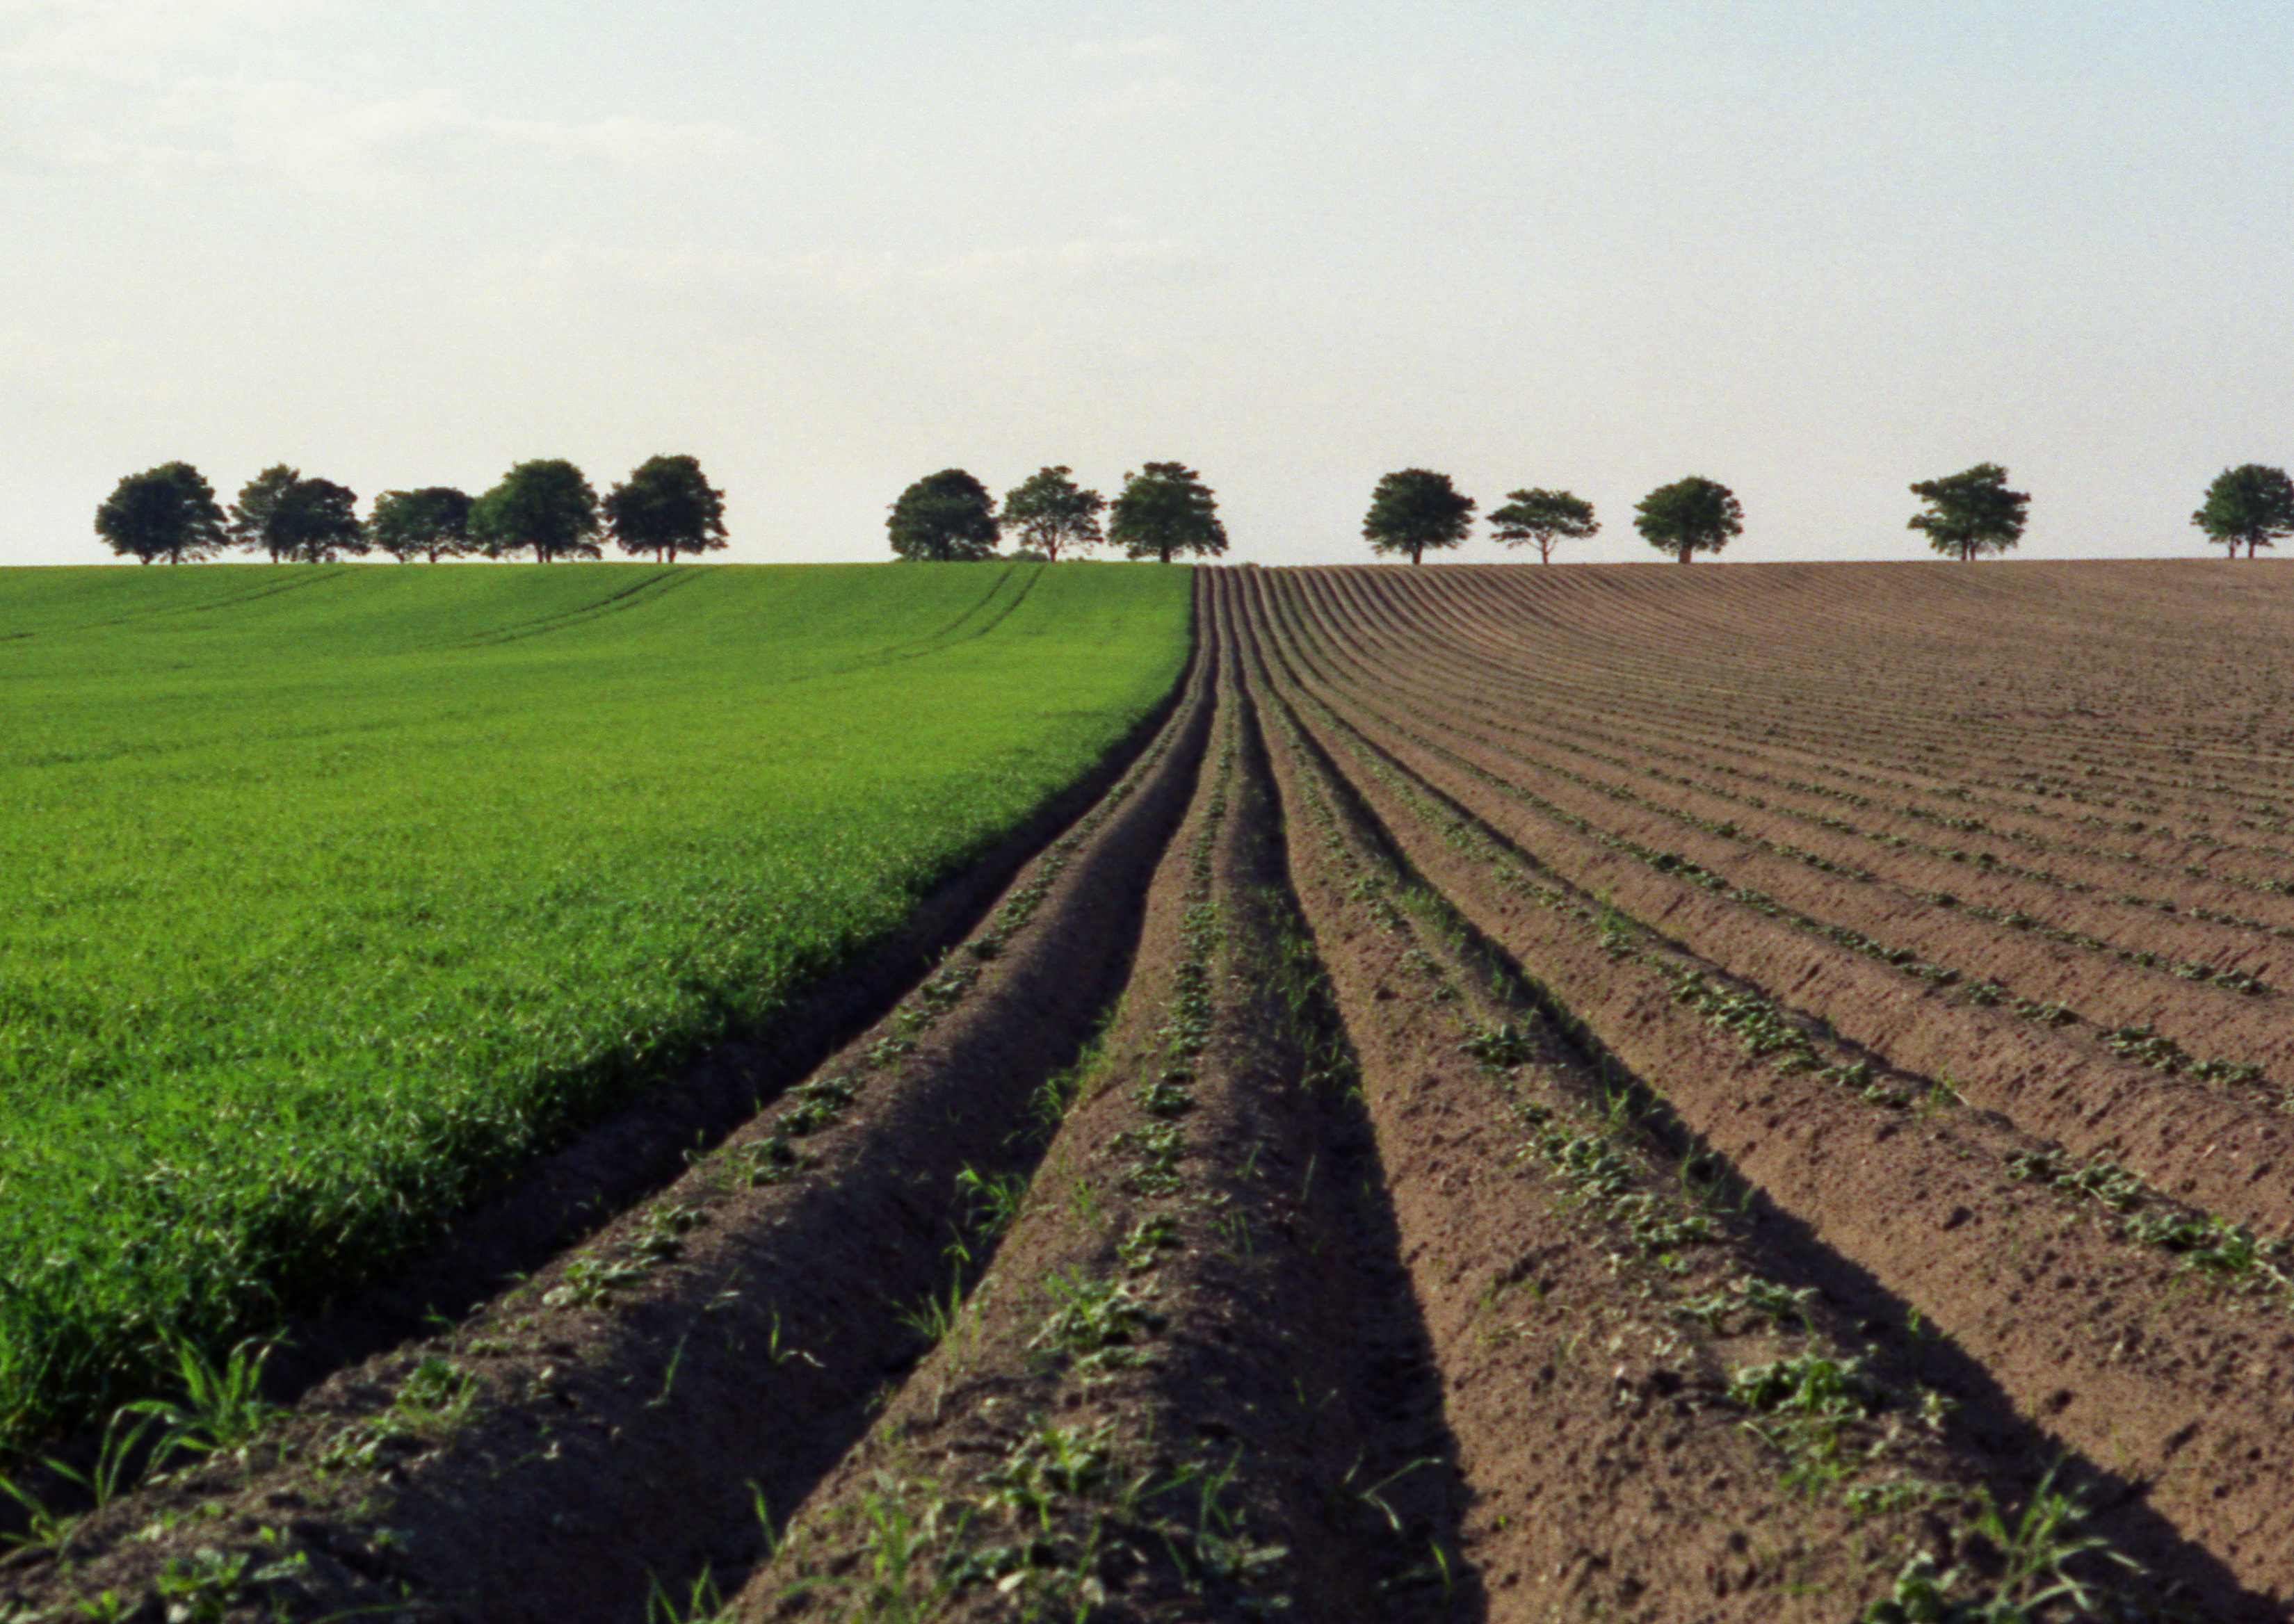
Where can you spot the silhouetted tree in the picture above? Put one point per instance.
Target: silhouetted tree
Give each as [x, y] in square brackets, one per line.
[1050, 511]
[168, 512]
[545, 505]
[316, 521]
[434, 522]
[945, 517]
[1544, 519]
[1970, 513]
[666, 508]
[1415, 508]
[1689, 516]
[1164, 509]
[2250, 505]
[251, 515]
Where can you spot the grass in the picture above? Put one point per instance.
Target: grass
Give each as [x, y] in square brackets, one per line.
[338, 893]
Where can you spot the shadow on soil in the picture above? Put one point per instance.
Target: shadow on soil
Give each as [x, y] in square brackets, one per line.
[2012, 1453]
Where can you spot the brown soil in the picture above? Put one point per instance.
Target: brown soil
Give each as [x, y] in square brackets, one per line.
[1453, 1133]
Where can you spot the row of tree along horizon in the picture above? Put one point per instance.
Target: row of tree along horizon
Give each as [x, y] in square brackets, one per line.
[1964, 514]
[546, 506]
[1164, 511]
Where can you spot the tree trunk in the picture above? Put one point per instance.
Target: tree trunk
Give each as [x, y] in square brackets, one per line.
[1684, 552]
[1414, 553]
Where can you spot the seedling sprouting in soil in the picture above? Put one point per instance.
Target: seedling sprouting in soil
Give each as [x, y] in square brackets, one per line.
[2029, 1579]
[1503, 1046]
[1156, 1151]
[1810, 1385]
[221, 1408]
[823, 1101]
[435, 1396]
[102, 1484]
[773, 1160]
[1168, 1095]
[996, 1200]
[932, 1317]
[1151, 1236]
[589, 1281]
[1097, 1323]
[203, 1587]
[701, 1603]
[1758, 1298]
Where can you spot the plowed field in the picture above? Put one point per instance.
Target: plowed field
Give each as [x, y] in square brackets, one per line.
[1750, 1094]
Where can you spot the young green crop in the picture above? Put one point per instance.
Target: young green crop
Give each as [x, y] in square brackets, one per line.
[334, 894]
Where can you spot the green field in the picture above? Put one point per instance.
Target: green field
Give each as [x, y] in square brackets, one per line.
[334, 893]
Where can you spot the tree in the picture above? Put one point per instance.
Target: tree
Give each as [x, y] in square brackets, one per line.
[316, 519]
[1689, 515]
[1051, 512]
[1544, 517]
[2251, 505]
[545, 505]
[1166, 508]
[1413, 509]
[168, 512]
[1971, 512]
[434, 521]
[666, 508]
[251, 525]
[945, 517]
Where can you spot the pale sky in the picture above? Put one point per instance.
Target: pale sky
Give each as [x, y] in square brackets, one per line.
[1816, 250]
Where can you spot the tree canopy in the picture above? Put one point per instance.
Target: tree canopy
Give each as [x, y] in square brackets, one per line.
[2250, 505]
[1415, 508]
[281, 513]
[1689, 516]
[168, 512]
[434, 522]
[1164, 509]
[317, 521]
[1543, 518]
[546, 505]
[666, 508]
[1971, 512]
[1050, 511]
[251, 516]
[945, 517]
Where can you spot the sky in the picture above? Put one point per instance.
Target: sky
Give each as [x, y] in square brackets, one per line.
[1815, 250]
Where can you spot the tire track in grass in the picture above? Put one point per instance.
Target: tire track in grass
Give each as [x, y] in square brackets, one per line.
[663, 580]
[305, 576]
